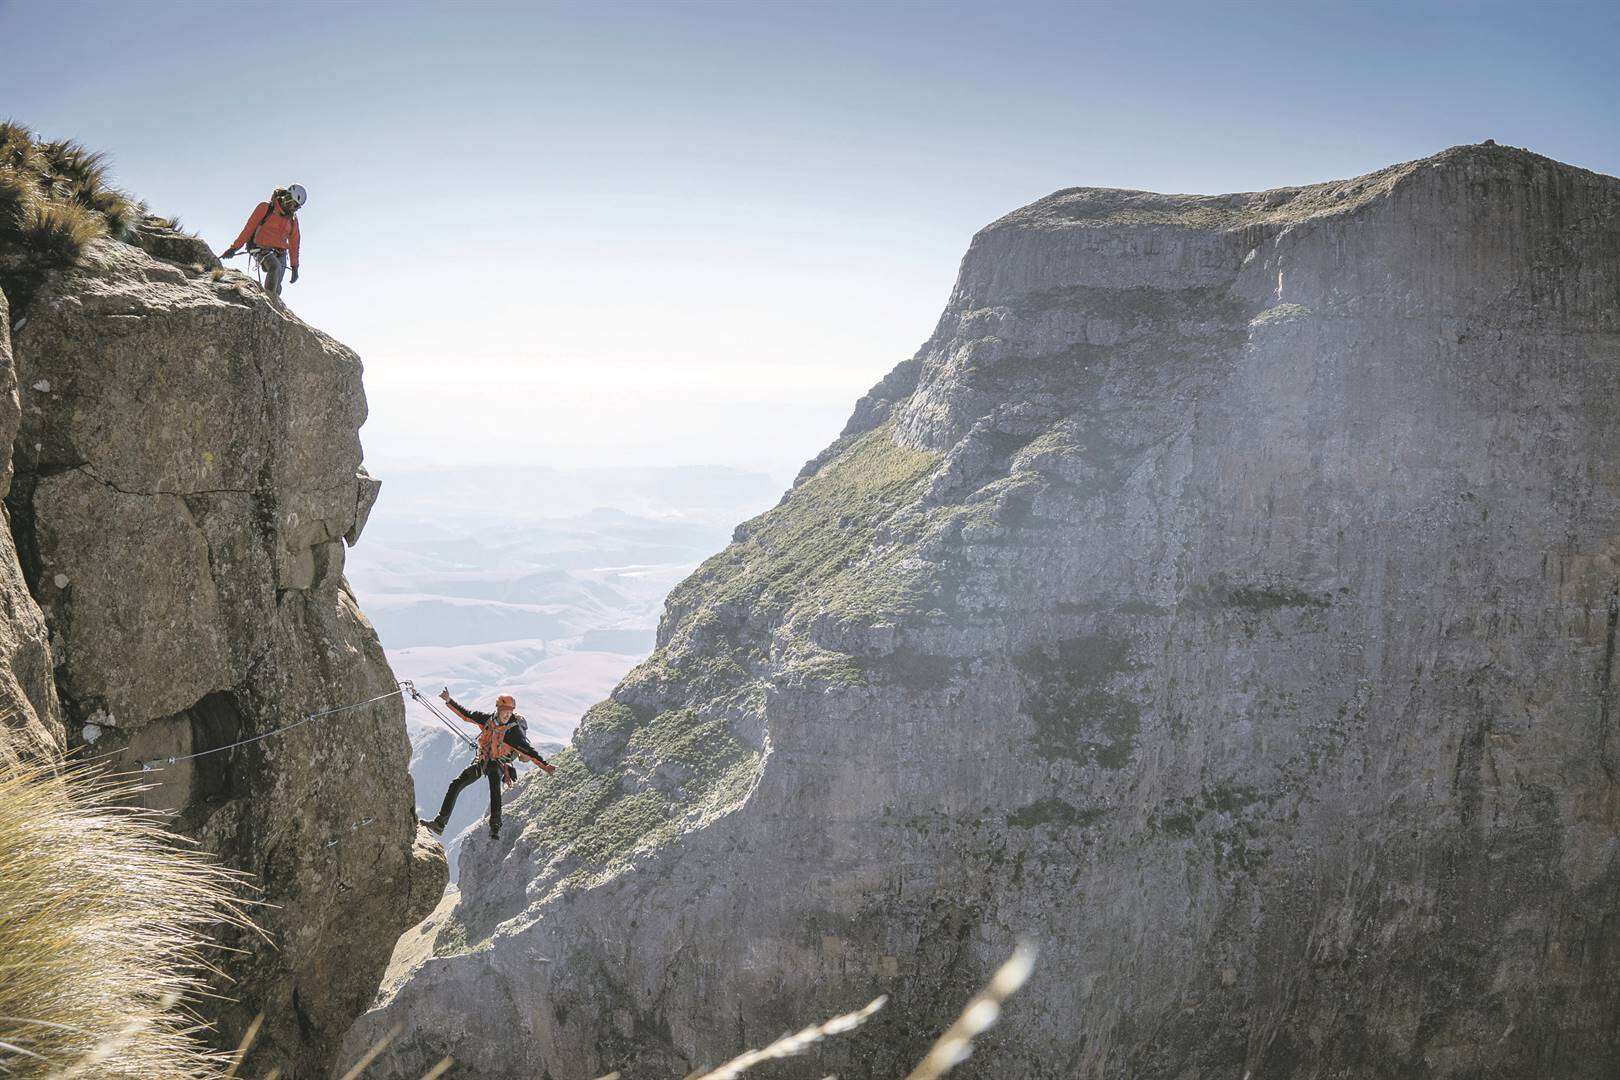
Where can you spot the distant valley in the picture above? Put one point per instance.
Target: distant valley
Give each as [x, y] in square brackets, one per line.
[543, 583]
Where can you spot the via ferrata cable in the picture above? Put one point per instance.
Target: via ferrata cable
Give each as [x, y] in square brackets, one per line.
[156, 764]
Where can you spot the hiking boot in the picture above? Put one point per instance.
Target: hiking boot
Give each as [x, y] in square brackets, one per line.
[494, 832]
[434, 826]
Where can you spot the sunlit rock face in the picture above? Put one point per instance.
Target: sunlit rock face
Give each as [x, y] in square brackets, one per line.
[187, 468]
[1224, 598]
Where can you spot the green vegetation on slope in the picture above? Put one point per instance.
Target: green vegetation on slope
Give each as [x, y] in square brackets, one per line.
[817, 547]
[662, 756]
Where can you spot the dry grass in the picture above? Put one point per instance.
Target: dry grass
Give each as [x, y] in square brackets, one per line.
[354, 1072]
[104, 917]
[954, 1047]
[57, 232]
[950, 1050]
[371, 1055]
[794, 1045]
[55, 198]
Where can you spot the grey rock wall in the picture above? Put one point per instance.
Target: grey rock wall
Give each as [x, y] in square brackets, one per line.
[187, 467]
[30, 719]
[1224, 597]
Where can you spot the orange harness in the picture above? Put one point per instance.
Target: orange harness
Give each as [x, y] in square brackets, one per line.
[492, 739]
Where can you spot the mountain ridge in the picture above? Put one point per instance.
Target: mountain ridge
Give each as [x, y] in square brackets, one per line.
[1224, 608]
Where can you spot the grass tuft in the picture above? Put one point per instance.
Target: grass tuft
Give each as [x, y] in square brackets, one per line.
[18, 191]
[58, 231]
[104, 919]
[55, 199]
[18, 148]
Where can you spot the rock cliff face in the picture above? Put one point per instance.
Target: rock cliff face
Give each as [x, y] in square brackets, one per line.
[1225, 597]
[30, 718]
[187, 469]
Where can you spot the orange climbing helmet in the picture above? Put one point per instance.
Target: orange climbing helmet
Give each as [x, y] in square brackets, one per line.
[507, 700]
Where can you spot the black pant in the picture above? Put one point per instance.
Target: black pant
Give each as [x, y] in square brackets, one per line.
[468, 775]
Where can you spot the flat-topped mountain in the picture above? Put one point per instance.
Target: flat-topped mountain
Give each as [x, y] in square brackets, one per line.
[1224, 597]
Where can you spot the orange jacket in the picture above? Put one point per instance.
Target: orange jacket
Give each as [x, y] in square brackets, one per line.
[279, 231]
[492, 735]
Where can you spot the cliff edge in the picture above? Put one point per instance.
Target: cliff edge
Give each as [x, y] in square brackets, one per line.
[187, 473]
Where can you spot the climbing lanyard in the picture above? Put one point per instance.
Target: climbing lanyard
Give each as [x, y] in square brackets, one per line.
[255, 263]
[410, 688]
[155, 765]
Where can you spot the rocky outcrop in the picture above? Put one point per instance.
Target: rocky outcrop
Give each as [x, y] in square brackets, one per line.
[1225, 597]
[187, 468]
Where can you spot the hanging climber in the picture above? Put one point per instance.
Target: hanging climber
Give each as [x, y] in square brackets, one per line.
[271, 236]
[501, 741]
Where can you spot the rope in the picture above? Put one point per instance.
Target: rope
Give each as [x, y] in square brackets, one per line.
[410, 688]
[255, 266]
[152, 765]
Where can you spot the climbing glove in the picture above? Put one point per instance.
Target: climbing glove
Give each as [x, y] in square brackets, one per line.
[294, 277]
[228, 253]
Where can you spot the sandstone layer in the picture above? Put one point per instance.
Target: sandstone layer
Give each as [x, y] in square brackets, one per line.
[187, 466]
[1224, 597]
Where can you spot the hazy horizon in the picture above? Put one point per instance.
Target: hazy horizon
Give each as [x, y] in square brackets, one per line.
[645, 233]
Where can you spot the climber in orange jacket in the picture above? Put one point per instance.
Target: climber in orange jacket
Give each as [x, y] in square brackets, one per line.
[271, 235]
[501, 741]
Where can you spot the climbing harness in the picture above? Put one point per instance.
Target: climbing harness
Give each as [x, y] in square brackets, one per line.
[156, 764]
[256, 262]
[256, 268]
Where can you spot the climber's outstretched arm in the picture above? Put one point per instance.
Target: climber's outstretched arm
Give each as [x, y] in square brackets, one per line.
[472, 716]
[516, 741]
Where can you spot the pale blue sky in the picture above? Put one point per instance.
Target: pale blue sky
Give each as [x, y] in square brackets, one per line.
[697, 232]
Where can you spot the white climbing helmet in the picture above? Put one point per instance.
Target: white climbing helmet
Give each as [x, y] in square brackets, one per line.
[299, 195]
